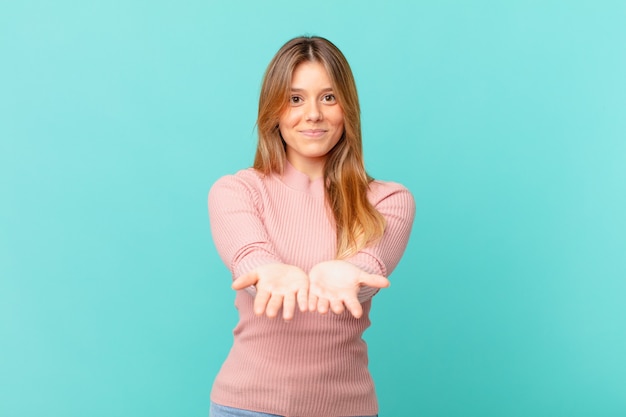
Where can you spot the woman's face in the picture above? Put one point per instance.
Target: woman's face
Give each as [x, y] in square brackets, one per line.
[312, 124]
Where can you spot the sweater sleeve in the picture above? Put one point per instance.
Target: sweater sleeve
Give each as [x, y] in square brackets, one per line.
[397, 206]
[236, 218]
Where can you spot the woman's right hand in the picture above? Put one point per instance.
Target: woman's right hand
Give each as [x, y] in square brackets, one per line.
[277, 285]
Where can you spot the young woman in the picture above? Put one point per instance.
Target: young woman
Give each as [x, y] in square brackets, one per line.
[309, 238]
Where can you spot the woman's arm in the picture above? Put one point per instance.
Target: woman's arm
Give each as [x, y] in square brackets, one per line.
[243, 243]
[396, 204]
[235, 214]
[333, 285]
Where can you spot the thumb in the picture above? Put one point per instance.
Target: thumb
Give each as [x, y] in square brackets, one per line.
[245, 280]
[373, 280]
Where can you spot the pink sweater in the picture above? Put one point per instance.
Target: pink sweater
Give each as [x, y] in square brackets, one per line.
[315, 365]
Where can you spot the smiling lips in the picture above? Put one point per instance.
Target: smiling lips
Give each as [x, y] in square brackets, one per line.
[313, 133]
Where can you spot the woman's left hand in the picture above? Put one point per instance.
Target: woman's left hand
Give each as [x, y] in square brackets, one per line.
[334, 285]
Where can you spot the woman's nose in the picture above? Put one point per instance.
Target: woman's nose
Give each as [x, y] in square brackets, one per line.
[313, 112]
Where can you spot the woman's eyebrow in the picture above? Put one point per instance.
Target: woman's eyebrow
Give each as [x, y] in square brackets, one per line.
[323, 90]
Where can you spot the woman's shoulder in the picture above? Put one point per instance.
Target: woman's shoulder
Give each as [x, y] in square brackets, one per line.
[389, 195]
[246, 180]
[380, 188]
[246, 176]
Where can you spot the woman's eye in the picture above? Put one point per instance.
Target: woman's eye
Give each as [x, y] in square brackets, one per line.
[295, 100]
[330, 98]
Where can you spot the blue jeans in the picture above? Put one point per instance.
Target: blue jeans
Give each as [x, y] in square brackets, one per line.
[217, 410]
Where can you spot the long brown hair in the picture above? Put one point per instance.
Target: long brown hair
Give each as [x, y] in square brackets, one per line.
[357, 222]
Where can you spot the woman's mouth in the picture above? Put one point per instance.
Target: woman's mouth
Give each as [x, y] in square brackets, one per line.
[313, 133]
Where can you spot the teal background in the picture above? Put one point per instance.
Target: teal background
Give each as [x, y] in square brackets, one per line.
[507, 120]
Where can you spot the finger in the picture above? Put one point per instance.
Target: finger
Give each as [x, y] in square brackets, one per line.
[323, 305]
[260, 302]
[354, 307]
[372, 280]
[273, 305]
[337, 306]
[245, 280]
[303, 300]
[312, 302]
[289, 306]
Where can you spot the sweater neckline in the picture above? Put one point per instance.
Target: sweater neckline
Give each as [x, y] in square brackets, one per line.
[300, 181]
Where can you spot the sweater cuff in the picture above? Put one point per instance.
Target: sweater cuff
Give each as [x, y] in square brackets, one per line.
[368, 263]
[251, 263]
[366, 293]
[371, 265]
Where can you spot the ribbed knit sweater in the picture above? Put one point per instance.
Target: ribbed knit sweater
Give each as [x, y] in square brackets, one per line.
[315, 365]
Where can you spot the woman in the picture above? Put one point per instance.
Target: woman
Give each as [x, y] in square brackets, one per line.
[309, 236]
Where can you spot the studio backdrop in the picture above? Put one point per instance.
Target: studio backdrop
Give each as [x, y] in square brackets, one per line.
[506, 120]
